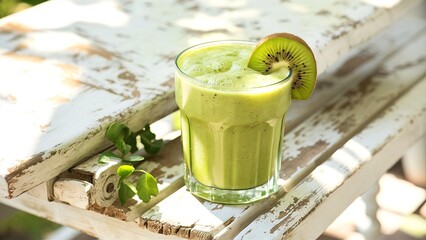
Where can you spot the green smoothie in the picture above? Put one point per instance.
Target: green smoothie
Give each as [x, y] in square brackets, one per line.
[232, 117]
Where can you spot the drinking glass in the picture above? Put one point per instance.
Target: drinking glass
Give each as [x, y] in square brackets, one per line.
[231, 136]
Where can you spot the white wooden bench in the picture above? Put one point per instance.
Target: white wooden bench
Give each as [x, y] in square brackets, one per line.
[70, 68]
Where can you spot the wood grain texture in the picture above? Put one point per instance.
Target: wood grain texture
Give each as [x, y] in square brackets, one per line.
[337, 121]
[102, 178]
[90, 222]
[75, 192]
[73, 72]
[166, 166]
[315, 202]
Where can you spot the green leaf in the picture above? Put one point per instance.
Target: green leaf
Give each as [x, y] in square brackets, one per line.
[132, 142]
[124, 171]
[151, 145]
[134, 158]
[122, 146]
[146, 131]
[125, 192]
[154, 146]
[117, 131]
[105, 157]
[146, 187]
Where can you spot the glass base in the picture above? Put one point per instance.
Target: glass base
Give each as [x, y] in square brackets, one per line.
[231, 196]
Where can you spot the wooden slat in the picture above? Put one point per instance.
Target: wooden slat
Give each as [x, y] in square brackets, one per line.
[74, 192]
[321, 134]
[355, 66]
[102, 178]
[92, 223]
[166, 166]
[306, 146]
[315, 202]
[73, 72]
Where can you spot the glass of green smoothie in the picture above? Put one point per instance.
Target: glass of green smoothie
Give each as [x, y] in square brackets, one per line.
[232, 121]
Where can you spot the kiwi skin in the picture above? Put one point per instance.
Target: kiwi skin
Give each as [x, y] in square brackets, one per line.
[287, 50]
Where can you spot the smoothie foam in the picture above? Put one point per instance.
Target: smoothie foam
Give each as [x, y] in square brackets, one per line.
[226, 66]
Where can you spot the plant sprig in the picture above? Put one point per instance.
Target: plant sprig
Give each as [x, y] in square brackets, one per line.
[128, 143]
[146, 185]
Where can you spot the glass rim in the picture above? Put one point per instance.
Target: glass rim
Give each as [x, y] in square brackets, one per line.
[195, 81]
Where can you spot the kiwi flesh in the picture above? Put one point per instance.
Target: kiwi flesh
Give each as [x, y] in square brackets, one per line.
[280, 50]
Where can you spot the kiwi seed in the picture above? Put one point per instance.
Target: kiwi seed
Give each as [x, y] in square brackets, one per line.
[287, 50]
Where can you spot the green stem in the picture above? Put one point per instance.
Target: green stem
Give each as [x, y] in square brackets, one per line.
[140, 170]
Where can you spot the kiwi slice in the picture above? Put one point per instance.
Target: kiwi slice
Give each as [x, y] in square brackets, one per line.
[280, 50]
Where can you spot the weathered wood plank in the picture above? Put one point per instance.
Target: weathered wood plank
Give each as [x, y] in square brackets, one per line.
[102, 178]
[355, 66]
[414, 163]
[316, 201]
[74, 192]
[307, 146]
[83, 70]
[349, 112]
[370, 229]
[166, 166]
[94, 224]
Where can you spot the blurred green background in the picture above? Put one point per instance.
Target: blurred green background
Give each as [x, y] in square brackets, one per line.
[11, 6]
[20, 225]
